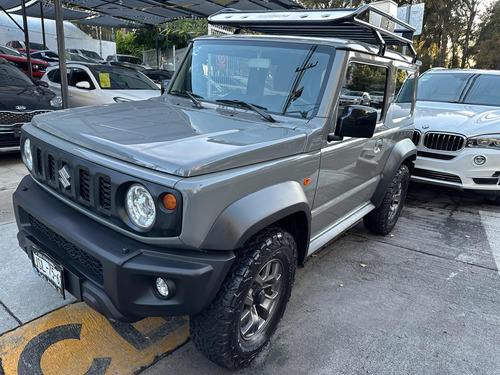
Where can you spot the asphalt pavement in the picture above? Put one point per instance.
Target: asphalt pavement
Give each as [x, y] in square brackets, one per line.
[422, 300]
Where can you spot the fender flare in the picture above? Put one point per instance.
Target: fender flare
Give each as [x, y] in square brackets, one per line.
[254, 212]
[403, 150]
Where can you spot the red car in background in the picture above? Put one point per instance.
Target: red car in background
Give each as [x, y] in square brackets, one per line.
[20, 45]
[38, 66]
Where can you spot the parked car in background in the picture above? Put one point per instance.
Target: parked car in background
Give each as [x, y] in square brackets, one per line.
[20, 45]
[101, 84]
[349, 97]
[159, 76]
[21, 98]
[52, 57]
[376, 98]
[127, 61]
[16, 57]
[457, 130]
[93, 56]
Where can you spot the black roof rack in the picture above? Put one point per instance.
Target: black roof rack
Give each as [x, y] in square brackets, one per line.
[350, 24]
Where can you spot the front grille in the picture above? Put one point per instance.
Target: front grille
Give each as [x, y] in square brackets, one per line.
[9, 140]
[444, 141]
[11, 118]
[436, 175]
[84, 259]
[486, 181]
[85, 185]
[433, 155]
[52, 168]
[105, 193]
[416, 137]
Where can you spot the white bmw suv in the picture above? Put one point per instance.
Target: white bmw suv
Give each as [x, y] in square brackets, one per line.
[457, 130]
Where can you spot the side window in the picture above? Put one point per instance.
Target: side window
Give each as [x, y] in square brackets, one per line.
[364, 85]
[79, 75]
[55, 75]
[405, 84]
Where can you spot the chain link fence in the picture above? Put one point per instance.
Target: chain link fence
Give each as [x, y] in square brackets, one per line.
[169, 59]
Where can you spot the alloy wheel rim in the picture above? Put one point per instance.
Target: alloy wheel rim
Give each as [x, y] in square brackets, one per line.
[261, 300]
[395, 201]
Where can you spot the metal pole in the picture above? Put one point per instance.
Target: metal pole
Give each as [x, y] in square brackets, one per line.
[61, 51]
[43, 25]
[27, 39]
[157, 47]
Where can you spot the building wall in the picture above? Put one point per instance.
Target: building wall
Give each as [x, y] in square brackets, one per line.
[74, 37]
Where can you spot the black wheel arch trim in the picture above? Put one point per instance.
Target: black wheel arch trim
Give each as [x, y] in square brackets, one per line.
[241, 220]
[403, 150]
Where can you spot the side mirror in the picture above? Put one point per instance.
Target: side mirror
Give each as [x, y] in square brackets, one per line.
[42, 83]
[164, 85]
[83, 85]
[356, 121]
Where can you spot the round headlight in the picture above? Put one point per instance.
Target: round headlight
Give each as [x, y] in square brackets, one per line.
[56, 102]
[28, 157]
[140, 206]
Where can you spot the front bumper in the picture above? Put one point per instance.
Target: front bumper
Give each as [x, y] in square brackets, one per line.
[113, 273]
[460, 172]
[10, 137]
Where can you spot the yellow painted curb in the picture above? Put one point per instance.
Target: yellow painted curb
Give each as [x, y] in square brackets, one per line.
[77, 340]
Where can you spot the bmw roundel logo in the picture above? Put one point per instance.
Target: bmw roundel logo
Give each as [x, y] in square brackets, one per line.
[425, 126]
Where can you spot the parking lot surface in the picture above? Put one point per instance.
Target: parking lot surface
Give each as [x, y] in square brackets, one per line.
[422, 300]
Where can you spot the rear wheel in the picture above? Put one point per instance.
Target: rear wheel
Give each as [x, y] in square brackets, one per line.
[247, 309]
[383, 219]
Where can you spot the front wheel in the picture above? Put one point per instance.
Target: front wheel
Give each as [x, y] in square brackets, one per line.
[383, 219]
[246, 311]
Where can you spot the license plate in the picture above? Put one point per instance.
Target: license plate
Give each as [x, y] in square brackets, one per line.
[17, 132]
[49, 270]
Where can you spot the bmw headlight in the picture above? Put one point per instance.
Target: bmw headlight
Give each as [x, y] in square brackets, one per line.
[56, 102]
[485, 141]
[28, 157]
[140, 206]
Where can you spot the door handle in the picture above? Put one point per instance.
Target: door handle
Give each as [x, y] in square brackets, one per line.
[378, 145]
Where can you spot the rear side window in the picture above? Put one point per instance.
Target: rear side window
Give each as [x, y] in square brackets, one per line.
[405, 85]
[364, 85]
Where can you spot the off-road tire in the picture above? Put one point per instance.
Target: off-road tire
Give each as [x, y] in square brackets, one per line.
[382, 219]
[216, 331]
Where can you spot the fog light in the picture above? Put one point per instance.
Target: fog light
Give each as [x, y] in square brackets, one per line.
[162, 287]
[479, 160]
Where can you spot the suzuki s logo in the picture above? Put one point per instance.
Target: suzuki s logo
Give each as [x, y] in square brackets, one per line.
[20, 107]
[425, 126]
[64, 177]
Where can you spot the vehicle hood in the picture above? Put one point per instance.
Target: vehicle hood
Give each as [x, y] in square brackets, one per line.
[31, 97]
[134, 94]
[458, 118]
[173, 139]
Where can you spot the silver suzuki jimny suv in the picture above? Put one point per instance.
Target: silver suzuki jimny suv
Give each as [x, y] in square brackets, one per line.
[203, 202]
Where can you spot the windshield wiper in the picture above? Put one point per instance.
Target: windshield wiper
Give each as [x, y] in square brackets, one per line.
[256, 108]
[191, 96]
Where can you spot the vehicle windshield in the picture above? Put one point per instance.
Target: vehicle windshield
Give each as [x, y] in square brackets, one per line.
[354, 93]
[484, 91]
[75, 57]
[11, 76]
[129, 59]
[37, 46]
[115, 78]
[9, 51]
[91, 54]
[283, 78]
[442, 87]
